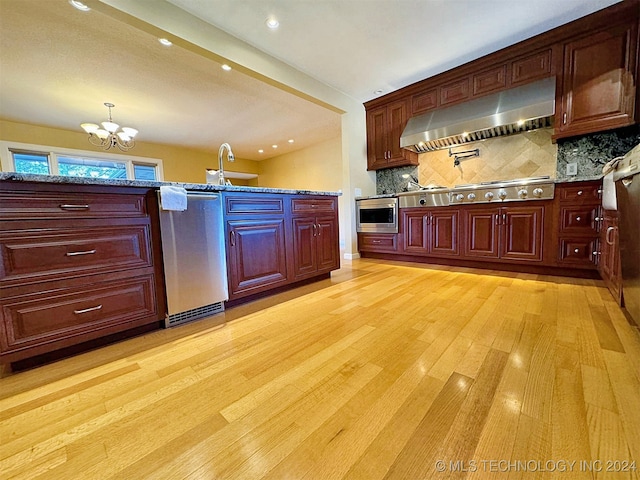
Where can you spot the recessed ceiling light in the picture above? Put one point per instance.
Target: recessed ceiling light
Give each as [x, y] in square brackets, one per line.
[261, 151]
[377, 92]
[291, 140]
[272, 23]
[274, 146]
[166, 42]
[226, 67]
[79, 5]
[520, 123]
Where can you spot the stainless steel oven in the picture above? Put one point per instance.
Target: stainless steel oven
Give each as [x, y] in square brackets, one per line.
[377, 215]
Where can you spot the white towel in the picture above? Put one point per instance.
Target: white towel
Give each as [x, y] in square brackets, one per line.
[173, 198]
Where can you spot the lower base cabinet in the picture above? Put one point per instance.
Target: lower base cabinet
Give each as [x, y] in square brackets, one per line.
[314, 247]
[256, 255]
[430, 232]
[609, 265]
[513, 233]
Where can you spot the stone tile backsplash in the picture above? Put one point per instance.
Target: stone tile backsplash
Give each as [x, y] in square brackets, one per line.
[591, 152]
[529, 154]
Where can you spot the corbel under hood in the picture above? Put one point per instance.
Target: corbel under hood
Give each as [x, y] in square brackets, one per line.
[511, 111]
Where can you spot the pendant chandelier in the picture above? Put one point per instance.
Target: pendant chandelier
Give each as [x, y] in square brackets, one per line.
[108, 136]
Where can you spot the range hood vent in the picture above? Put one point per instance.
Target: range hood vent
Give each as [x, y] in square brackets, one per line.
[516, 110]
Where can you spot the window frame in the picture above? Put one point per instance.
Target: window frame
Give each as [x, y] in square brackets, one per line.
[52, 153]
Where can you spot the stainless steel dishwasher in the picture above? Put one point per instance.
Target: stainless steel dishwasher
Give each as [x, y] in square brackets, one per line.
[195, 266]
[627, 182]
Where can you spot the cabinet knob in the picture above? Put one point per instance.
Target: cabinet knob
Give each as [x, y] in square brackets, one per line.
[578, 219]
[577, 250]
[579, 192]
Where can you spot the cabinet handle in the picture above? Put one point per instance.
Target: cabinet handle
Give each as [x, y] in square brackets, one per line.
[315, 230]
[376, 241]
[504, 218]
[70, 206]
[87, 310]
[232, 238]
[564, 117]
[319, 230]
[498, 219]
[579, 192]
[607, 238]
[75, 254]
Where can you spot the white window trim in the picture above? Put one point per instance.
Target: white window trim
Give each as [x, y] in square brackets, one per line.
[6, 159]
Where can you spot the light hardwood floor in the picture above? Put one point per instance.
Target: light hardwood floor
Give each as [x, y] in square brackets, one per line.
[379, 373]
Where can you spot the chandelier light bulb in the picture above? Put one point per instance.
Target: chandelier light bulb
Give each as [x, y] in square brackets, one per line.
[108, 136]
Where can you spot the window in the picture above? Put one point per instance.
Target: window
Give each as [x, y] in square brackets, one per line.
[42, 160]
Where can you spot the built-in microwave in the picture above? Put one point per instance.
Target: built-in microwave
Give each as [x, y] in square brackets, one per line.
[377, 215]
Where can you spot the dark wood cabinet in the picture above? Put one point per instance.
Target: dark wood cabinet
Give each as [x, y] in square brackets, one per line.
[256, 255]
[507, 233]
[378, 242]
[598, 81]
[77, 263]
[579, 222]
[430, 232]
[255, 243]
[609, 266]
[315, 236]
[384, 128]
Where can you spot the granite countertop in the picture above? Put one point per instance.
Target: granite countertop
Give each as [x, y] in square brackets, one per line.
[27, 177]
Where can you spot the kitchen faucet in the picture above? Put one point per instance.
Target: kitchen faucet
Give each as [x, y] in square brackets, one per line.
[230, 157]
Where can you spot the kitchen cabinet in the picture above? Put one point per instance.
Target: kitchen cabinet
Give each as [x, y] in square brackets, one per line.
[609, 266]
[598, 82]
[578, 207]
[77, 263]
[378, 242]
[384, 128]
[255, 242]
[314, 223]
[430, 232]
[506, 233]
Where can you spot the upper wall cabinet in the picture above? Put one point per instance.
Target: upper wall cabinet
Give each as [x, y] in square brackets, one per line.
[598, 82]
[384, 128]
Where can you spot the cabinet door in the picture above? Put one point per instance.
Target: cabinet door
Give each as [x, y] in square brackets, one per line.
[397, 121]
[414, 224]
[256, 255]
[598, 91]
[304, 246]
[482, 234]
[522, 233]
[377, 150]
[444, 233]
[609, 265]
[328, 251]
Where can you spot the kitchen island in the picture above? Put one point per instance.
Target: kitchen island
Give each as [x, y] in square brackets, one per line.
[81, 259]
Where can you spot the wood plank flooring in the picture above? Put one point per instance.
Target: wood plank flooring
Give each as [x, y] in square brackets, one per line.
[385, 371]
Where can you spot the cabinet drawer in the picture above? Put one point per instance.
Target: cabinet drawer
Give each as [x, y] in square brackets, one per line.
[577, 252]
[580, 193]
[38, 319]
[372, 242]
[579, 220]
[531, 68]
[313, 205]
[455, 91]
[24, 204]
[254, 204]
[422, 102]
[33, 255]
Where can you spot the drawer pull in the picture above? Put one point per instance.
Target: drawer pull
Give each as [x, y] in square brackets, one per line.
[75, 254]
[376, 241]
[71, 206]
[87, 310]
[579, 192]
[578, 219]
[577, 250]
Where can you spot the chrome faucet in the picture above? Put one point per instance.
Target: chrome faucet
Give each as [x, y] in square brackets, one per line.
[230, 157]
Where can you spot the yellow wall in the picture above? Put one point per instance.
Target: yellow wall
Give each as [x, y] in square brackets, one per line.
[314, 168]
[179, 164]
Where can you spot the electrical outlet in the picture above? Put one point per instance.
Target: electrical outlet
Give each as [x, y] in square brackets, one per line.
[572, 168]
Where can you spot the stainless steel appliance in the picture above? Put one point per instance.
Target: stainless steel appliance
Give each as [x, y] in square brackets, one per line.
[627, 183]
[424, 198]
[377, 215]
[194, 258]
[537, 188]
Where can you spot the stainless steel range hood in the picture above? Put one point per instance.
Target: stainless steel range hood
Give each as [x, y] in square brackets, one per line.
[511, 111]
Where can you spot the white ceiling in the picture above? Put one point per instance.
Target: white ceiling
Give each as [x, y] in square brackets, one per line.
[59, 65]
